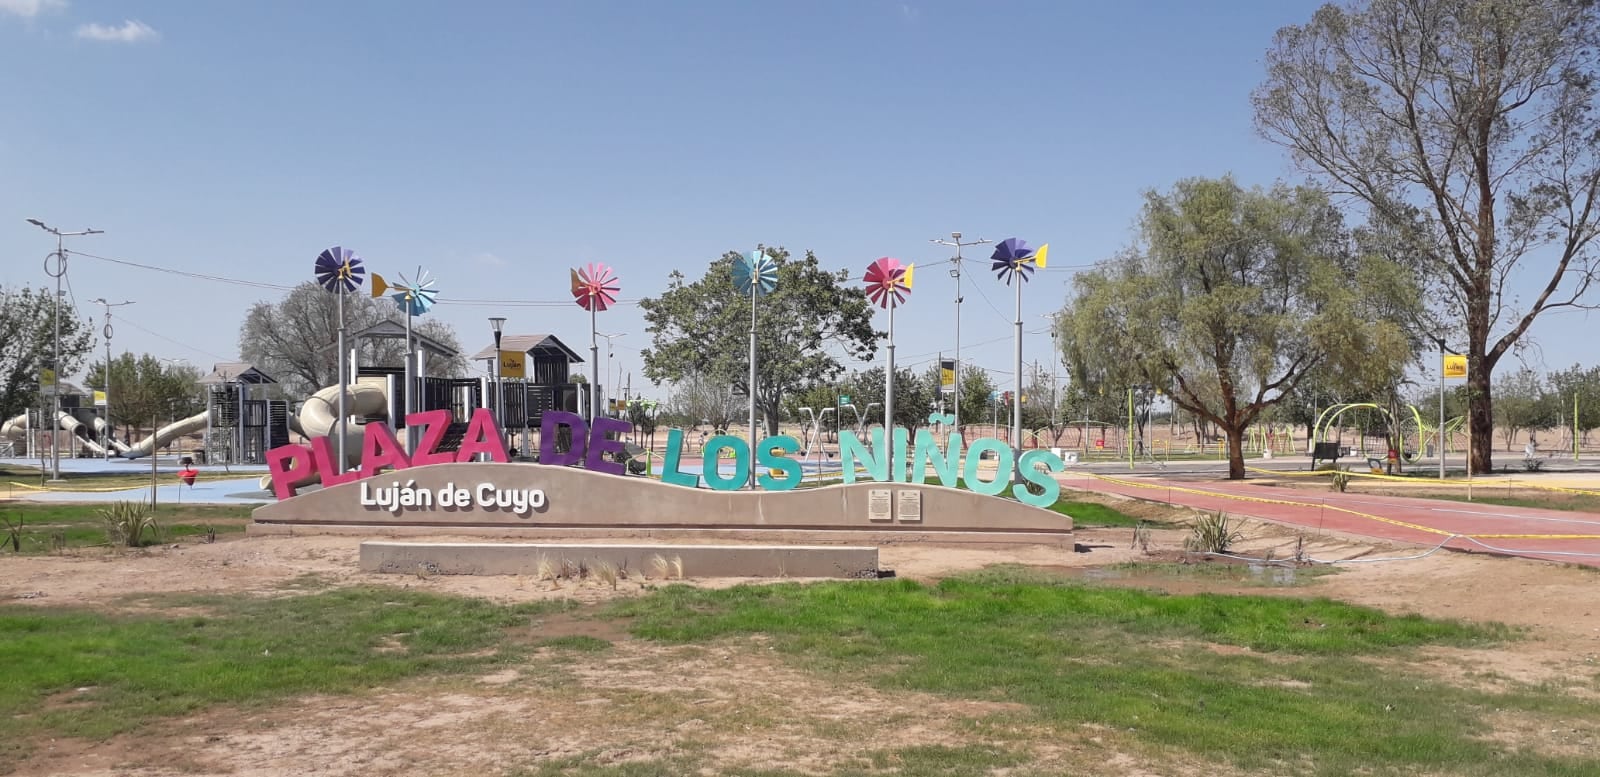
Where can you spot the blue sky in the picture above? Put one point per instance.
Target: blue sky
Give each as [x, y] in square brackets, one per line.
[499, 144]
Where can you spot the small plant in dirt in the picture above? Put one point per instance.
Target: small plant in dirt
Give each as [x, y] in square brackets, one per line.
[607, 572]
[1532, 465]
[13, 533]
[1141, 537]
[1341, 481]
[1213, 533]
[130, 525]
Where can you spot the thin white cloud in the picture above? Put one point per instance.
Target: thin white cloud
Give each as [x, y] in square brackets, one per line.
[491, 260]
[28, 9]
[130, 31]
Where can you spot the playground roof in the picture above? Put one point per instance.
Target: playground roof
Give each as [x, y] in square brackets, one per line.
[235, 372]
[394, 330]
[538, 345]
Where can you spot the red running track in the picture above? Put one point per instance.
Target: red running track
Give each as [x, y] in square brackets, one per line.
[1514, 531]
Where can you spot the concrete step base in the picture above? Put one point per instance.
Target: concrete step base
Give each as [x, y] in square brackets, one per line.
[564, 534]
[695, 561]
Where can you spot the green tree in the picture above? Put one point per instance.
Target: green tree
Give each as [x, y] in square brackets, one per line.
[913, 397]
[294, 339]
[703, 328]
[697, 399]
[1584, 386]
[977, 391]
[1523, 405]
[1232, 297]
[146, 390]
[1468, 129]
[28, 343]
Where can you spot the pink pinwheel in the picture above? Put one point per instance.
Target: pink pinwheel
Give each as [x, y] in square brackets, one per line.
[888, 282]
[595, 287]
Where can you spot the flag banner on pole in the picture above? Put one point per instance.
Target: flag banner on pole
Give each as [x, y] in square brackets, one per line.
[947, 376]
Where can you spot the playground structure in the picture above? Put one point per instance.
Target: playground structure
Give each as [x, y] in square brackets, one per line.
[1416, 437]
[241, 423]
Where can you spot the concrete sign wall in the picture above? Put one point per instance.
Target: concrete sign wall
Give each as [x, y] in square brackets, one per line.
[473, 495]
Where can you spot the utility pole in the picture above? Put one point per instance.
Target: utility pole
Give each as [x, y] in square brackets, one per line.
[57, 271]
[955, 272]
[106, 440]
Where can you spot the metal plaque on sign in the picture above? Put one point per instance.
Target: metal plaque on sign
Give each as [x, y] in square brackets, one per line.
[880, 504]
[909, 507]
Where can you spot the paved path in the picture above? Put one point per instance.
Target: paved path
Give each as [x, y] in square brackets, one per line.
[1556, 535]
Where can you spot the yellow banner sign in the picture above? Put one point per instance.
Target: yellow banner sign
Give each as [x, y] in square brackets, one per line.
[99, 399]
[513, 364]
[1455, 366]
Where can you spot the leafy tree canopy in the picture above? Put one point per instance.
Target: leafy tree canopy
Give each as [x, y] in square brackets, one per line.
[293, 339]
[28, 343]
[702, 328]
[1232, 298]
[1467, 129]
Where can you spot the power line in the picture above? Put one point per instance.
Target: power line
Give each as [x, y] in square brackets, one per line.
[464, 302]
[180, 344]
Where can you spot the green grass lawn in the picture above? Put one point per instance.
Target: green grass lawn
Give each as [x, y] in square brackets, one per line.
[1271, 683]
[45, 525]
[139, 668]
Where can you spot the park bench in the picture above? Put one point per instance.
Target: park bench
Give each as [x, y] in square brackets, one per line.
[1326, 451]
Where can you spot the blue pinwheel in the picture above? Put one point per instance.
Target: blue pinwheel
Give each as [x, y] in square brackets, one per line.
[413, 297]
[755, 273]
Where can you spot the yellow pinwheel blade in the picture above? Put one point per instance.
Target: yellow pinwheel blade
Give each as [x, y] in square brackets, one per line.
[379, 285]
[906, 277]
[1039, 255]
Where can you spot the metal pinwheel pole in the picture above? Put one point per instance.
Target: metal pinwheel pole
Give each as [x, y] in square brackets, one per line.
[339, 270]
[755, 273]
[1016, 394]
[594, 288]
[344, 384]
[594, 364]
[1013, 260]
[754, 287]
[888, 398]
[888, 284]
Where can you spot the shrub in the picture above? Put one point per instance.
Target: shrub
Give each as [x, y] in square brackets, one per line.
[1213, 533]
[127, 523]
[1341, 481]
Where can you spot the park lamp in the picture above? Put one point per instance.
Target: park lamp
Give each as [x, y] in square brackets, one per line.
[498, 324]
[59, 233]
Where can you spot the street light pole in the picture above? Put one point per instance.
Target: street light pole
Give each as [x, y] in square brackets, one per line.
[610, 352]
[498, 324]
[106, 439]
[58, 273]
[955, 272]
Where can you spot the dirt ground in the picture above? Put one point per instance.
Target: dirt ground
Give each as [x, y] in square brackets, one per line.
[730, 705]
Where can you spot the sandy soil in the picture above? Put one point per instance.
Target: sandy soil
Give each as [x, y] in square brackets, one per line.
[723, 704]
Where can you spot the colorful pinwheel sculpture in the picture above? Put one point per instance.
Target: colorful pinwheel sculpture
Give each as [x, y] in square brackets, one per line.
[888, 285]
[339, 270]
[415, 298]
[595, 287]
[888, 282]
[1013, 258]
[755, 273]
